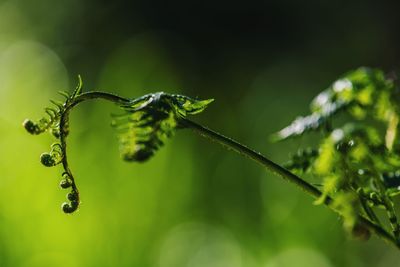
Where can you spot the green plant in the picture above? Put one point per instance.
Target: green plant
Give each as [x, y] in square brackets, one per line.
[358, 163]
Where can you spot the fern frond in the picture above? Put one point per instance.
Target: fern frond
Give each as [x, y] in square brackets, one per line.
[148, 122]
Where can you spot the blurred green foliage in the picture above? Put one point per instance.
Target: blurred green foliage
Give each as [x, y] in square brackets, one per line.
[358, 161]
[193, 204]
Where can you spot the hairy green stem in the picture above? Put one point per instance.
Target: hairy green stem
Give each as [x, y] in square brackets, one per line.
[256, 156]
[271, 166]
[230, 144]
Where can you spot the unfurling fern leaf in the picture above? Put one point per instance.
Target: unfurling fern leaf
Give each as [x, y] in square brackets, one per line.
[150, 120]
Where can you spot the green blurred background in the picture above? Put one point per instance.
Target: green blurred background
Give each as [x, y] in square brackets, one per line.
[194, 204]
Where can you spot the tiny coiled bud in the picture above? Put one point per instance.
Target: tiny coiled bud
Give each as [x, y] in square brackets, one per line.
[65, 183]
[47, 160]
[70, 207]
[67, 208]
[31, 127]
[54, 157]
[73, 196]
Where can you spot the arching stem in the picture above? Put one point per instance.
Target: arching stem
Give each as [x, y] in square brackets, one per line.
[64, 121]
[276, 169]
[228, 143]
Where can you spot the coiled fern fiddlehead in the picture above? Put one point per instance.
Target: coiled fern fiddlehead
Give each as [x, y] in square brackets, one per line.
[354, 183]
[143, 127]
